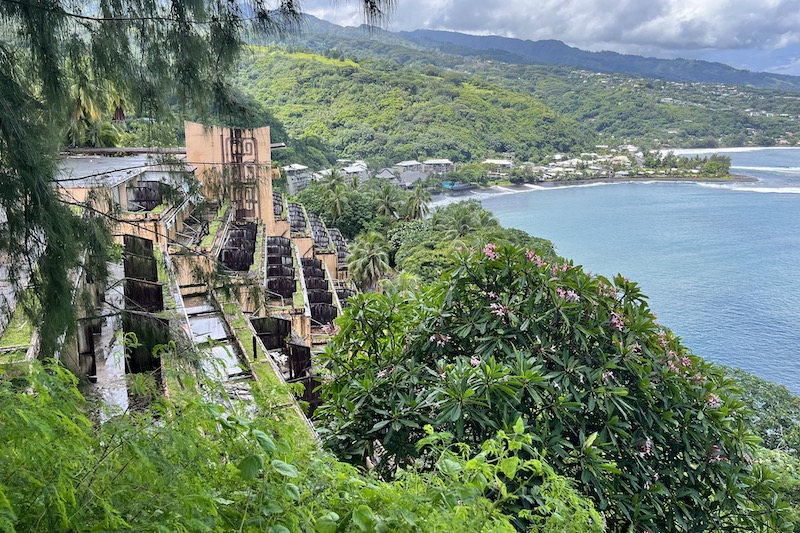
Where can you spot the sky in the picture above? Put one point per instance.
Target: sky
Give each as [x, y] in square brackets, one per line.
[761, 35]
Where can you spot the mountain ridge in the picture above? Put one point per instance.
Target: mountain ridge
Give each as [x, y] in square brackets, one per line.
[553, 52]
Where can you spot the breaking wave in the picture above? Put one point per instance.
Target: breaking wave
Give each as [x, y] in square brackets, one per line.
[739, 187]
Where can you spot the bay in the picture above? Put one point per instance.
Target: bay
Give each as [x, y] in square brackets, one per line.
[720, 263]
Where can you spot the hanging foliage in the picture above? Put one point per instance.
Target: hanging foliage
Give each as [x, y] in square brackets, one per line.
[60, 62]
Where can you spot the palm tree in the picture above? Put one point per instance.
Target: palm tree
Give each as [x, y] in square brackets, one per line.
[387, 197]
[333, 180]
[337, 201]
[369, 260]
[354, 180]
[88, 101]
[402, 283]
[459, 220]
[417, 204]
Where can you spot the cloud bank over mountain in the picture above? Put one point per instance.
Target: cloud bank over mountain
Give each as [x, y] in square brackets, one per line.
[763, 35]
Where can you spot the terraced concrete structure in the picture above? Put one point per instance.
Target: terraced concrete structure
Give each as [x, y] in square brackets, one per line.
[236, 281]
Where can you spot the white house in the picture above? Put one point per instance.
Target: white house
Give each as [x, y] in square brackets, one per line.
[501, 164]
[412, 165]
[358, 169]
[438, 166]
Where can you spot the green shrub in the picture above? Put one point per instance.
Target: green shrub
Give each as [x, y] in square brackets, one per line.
[652, 433]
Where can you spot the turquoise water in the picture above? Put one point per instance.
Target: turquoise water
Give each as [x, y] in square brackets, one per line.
[719, 262]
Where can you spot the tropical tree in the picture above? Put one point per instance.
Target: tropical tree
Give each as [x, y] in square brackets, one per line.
[332, 180]
[338, 198]
[403, 282]
[655, 435]
[147, 51]
[368, 261]
[354, 181]
[416, 205]
[388, 199]
[456, 221]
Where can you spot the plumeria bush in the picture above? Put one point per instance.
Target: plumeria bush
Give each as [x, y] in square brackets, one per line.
[652, 433]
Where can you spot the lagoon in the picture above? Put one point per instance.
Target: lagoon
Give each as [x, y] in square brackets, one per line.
[720, 262]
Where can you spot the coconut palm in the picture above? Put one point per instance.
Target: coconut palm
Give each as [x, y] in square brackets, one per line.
[417, 204]
[388, 198]
[403, 282]
[333, 180]
[459, 220]
[369, 260]
[337, 200]
[354, 181]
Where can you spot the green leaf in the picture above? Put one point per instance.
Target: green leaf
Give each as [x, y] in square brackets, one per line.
[364, 518]
[250, 465]
[271, 508]
[284, 446]
[448, 467]
[292, 491]
[409, 517]
[278, 529]
[266, 443]
[589, 440]
[508, 466]
[327, 523]
[284, 469]
[519, 426]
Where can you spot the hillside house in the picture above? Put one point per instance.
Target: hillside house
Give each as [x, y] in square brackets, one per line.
[357, 169]
[438, 166]
[386, 174]
[297, 177]
[411, 165]
[410, 177]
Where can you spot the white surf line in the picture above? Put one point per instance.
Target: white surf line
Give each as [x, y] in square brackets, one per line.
[737, 149]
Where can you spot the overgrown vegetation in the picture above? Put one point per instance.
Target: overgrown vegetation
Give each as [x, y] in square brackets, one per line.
[379, 109]
[617, 107]
[654, 435]
[198, 466]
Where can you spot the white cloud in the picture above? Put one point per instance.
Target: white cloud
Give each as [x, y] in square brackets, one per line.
[622, 25]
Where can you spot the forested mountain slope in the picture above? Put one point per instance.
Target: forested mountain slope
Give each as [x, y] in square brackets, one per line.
[618, 107]
[375, 108]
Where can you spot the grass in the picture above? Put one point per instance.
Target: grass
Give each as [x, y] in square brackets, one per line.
[157, 210]
[213, 228]
[258, 256]
[223, 208]
[20, 329]
[263, 370]
[13, 356]
[298, 301]
[166, 284]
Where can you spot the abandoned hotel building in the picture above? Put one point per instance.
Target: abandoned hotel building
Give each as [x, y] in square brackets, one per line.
[187, 220]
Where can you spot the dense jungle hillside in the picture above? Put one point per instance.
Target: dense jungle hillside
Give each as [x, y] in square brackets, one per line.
[617, 107]
[371, 108]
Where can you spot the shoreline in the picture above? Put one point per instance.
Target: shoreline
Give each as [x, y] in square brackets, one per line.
[447, 196]
[730, 178]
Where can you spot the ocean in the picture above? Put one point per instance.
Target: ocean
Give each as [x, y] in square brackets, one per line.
[720, 262]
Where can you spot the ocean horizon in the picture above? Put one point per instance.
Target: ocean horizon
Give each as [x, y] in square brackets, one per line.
[719, 262]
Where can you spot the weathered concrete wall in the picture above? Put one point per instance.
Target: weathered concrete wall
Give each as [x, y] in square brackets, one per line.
[305, 245]
[248, 180]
